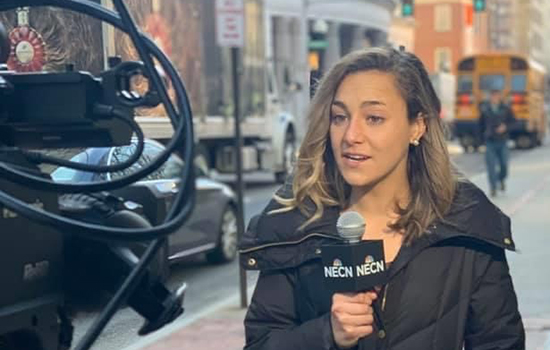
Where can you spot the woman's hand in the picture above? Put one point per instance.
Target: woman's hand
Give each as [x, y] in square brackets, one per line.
[352, 317]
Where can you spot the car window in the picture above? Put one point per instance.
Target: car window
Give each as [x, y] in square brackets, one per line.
[63, 174]
[169, 170]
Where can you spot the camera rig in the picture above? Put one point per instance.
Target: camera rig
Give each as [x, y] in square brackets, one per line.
[44, 222]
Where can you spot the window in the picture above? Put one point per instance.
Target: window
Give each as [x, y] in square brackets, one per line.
[467, 65]
[489, 82]
[443, 19]
[442, 59]
[519, 82]
[63, 174]
[465, 83]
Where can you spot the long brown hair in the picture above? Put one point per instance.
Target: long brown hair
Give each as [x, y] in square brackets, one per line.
[431, 177]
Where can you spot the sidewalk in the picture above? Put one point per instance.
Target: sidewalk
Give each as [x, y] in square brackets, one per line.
[527, 201]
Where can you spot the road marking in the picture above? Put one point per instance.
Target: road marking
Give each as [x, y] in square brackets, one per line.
[527, 197]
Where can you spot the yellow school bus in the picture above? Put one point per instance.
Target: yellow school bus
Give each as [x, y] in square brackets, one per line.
[522, 84]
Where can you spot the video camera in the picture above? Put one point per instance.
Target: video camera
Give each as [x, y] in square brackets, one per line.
[53, 232]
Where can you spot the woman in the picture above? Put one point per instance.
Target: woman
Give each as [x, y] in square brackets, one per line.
[376, 145]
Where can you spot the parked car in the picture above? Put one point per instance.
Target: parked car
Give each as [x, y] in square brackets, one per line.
[212, 226]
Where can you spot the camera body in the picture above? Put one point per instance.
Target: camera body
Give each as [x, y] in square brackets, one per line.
[31, 257]
[67, 110]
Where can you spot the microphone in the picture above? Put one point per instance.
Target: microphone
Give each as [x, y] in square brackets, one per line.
[356, 265]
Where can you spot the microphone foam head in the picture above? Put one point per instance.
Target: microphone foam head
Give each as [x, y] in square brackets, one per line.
[351, 226]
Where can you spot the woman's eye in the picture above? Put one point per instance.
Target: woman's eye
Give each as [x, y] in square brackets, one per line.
[337, 118]
[374, 119]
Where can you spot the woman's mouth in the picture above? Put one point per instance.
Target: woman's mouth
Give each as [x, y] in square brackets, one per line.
[354, 159]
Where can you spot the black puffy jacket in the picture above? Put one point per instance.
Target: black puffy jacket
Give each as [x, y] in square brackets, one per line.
[450, 289]
[490, 120]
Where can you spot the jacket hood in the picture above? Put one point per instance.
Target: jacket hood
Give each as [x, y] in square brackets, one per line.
[277, 232]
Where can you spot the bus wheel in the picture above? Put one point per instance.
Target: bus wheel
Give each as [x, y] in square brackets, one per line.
[466, 142]
[539, 138]
[525, 141]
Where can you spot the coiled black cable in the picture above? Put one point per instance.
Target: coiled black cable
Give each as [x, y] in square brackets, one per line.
[183, 137]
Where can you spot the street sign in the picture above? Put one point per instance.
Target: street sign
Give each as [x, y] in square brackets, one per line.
[317, 44]
[230, 23]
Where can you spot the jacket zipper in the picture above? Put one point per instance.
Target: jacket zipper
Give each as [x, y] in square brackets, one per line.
[276, 244]
[384, 296]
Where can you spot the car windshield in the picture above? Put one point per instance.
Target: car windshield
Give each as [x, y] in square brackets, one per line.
[63, 174]
[170, 170]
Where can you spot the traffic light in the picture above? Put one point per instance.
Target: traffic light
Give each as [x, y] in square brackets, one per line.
[407, 8]
[479, 5]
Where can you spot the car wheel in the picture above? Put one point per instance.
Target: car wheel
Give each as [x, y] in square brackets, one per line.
[226, 248]
[525, 141]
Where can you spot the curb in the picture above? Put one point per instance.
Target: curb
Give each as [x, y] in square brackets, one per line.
[183, 322]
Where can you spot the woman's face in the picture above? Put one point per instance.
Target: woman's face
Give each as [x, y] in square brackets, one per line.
[369, 130]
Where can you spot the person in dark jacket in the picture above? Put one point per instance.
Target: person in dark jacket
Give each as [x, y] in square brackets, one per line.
[495, 121]
[376, 145]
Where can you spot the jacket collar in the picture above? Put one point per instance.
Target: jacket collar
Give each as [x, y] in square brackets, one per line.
[488, 226]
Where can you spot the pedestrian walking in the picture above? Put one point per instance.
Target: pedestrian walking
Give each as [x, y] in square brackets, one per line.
[375, 145]
[495, 121]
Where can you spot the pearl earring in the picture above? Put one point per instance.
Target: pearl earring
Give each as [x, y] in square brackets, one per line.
[415, 143]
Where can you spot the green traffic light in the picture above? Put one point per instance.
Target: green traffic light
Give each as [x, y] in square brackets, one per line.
[479, 5]
[407, 10]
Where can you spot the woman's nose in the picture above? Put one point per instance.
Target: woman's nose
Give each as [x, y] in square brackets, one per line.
[355, 132]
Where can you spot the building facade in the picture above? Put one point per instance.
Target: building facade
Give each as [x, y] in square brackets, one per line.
[546, 34]
[529, 28]
[311, 35]
[501, 25]
[452, 30]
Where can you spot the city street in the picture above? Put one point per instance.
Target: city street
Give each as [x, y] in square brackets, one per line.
[75, 86]
[212, 287]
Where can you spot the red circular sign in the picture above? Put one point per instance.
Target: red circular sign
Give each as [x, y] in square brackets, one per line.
[28, 53]
[156, 26]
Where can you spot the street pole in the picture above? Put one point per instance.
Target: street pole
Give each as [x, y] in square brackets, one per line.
[230, 33]
[239, 165]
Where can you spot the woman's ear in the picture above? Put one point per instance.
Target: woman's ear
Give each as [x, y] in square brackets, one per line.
[418, 127]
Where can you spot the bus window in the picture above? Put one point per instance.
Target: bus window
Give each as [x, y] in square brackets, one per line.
[518, 64]
[467, 65]
[465, 83]
[519, 83]
[489, 82]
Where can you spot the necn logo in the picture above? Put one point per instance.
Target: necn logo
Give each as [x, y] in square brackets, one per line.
[337, 270]
[370, 267]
